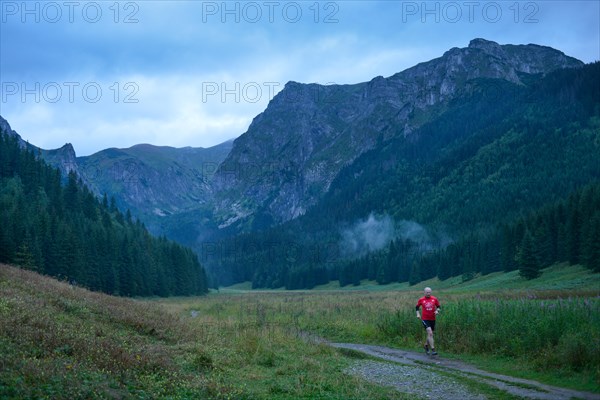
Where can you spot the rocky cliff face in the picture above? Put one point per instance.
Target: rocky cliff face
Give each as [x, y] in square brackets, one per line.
[5, 127]
[64, 159]
[153, 180]
[292, 151]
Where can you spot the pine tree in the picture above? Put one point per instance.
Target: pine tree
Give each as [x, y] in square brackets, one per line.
[392, 262]
[24, 257]
[591, 256]
[509, 246]
[529, 267]
[61, 229]
[415, 274]
[574, 231]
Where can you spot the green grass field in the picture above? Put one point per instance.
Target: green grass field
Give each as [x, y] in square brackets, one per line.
[60, 341]
[559, 277]
[549, 327]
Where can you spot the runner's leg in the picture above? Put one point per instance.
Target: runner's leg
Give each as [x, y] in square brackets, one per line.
[430, 338]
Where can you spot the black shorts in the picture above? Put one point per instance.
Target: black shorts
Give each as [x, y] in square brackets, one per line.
[429, 323]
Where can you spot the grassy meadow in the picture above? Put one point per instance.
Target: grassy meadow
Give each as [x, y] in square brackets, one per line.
[547, 329]
[62, 342]
[59, 341]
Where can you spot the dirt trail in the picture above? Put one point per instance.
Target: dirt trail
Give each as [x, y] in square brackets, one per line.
[402, 380]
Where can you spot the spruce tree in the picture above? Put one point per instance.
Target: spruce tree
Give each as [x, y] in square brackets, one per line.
[529, 267]
[415, 274]
[591, 256]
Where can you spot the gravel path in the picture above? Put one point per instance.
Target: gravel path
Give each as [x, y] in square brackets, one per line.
[417, 381]
[405, 374]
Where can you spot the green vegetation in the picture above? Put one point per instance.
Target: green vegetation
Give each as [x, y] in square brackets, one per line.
[499, 164]
[549, 334]
[510, 171]
[63, 342]
[63, 230]
[546, 329]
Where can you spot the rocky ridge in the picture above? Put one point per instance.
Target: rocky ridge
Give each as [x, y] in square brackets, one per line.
[293, 151]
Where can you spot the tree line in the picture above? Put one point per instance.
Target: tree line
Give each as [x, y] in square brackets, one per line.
[56, 226]
[567, 231]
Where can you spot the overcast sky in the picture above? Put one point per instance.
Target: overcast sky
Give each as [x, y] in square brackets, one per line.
[194, 73]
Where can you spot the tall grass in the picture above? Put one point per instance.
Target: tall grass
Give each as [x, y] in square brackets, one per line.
[542, 331]
[58, 341]
[559, 333]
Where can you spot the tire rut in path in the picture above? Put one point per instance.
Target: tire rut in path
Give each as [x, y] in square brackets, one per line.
[516, 386]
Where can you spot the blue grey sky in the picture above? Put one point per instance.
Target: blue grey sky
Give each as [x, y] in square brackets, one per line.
[102, 74]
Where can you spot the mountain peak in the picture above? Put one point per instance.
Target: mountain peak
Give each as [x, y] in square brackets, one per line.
[489, 47]
[63, 158]
[67, 151]
[67, 148]
[5, 127]
[479, 43]
[310, 132]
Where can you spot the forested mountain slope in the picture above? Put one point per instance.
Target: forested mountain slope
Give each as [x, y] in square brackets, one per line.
[499, 151]
[64, 230]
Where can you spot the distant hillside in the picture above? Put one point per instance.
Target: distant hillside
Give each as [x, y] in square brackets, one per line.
[157, 184]
[64, 230]
[558, 278]
[160, 185]
[497, 152]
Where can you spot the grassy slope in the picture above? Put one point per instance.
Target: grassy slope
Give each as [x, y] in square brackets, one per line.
[59, 341]
[559, 277]
[62, 342]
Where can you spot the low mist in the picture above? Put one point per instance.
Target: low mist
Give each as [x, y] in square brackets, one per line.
[377, 231]
[368, 235]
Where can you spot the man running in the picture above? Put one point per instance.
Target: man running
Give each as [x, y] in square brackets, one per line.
[431, 307]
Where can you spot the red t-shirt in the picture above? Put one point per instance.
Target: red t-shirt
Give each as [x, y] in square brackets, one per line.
[429, 304]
